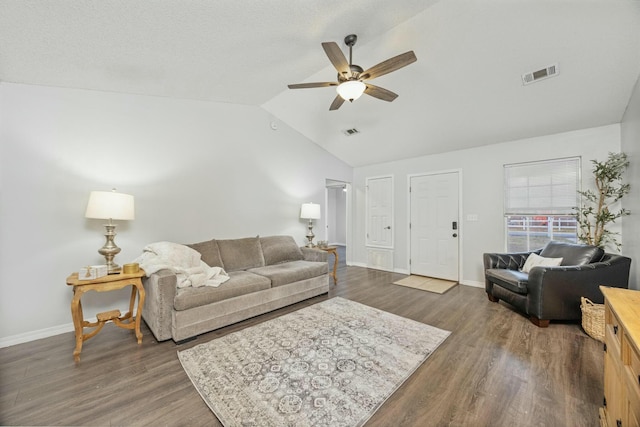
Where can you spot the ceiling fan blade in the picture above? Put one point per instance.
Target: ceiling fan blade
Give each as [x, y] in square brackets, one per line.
[311, 85]
[391, 64]
[380, 93]
[337, 58]
[337, 103]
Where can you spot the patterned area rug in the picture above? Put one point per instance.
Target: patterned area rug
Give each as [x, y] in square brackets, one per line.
[429, 284]
[330, 364]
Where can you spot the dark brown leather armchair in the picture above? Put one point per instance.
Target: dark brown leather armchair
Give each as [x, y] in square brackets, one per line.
[553, 293]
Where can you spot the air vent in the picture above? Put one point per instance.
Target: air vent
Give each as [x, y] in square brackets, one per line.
[544, 73]
[352, 131]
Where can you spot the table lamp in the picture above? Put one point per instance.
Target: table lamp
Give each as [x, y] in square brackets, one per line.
[112, 206]
[310, 211]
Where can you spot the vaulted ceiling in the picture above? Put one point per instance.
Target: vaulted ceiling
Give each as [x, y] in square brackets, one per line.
[465, 90]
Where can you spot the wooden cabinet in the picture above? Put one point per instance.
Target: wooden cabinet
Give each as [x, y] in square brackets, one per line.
[621, 358]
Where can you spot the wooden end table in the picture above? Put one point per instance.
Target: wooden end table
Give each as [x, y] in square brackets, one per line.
[333, 250]
[107, 283]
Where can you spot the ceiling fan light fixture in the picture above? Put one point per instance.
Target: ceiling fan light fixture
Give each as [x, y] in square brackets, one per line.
[351, 90]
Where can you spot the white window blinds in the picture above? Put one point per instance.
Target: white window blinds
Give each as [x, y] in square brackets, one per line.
[542, 188]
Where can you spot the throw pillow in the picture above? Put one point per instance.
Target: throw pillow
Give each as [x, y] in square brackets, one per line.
[535, 260]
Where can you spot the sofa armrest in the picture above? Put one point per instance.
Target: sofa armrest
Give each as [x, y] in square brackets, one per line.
[313, 254]
[160, 289]
[554, 292]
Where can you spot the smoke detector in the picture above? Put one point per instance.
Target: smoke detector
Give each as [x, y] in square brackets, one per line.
[542, 74]
[350, 132]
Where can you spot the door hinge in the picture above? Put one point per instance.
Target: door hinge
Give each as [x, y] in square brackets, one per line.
[604, 401]
[409, 261]
[409, 226]
[605, 347]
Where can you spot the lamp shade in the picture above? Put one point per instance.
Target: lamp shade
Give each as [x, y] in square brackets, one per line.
[110, 205]
[310, 211]
[351, 89]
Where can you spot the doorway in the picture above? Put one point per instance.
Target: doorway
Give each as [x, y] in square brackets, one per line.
[336, 218]
[434, 225]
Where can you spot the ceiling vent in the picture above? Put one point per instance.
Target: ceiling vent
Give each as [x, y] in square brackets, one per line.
[352, 131]
[545, 73]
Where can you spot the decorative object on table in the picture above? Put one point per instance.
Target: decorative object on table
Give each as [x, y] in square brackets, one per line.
[131, 268]
[310, 211]
[323, 244]
[595, 214]
[592, 318]
[92, 272]
[112, 206]
[332, 363]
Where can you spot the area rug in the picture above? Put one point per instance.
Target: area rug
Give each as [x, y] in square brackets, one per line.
[423, 283]
[330, 364]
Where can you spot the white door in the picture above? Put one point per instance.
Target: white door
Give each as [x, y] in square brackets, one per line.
[380, 212]
[434, 225]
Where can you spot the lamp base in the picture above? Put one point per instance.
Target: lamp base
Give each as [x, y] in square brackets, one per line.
[110, 249]
[310, 235]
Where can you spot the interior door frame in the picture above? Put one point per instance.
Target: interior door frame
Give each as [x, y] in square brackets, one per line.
[348, 238]
[460, 209]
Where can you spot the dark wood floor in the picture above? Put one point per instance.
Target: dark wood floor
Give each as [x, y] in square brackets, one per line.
[496, 369]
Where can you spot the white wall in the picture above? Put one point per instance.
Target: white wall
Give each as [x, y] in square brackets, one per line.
[198, 170]
[482, 185]
[630, 142]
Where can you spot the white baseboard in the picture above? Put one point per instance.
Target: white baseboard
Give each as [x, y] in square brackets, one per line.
[36, 335]
[401, 271]
[472, 283]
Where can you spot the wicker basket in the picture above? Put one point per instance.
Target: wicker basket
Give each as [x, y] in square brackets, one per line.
[592, 318]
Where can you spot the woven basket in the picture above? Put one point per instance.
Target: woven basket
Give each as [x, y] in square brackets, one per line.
[592, 318]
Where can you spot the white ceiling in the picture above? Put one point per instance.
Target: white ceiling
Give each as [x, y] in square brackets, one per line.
[465, 90]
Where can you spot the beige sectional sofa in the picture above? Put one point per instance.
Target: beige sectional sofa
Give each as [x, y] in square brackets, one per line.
[266, 273]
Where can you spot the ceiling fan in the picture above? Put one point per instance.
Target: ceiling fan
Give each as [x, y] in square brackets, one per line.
[351, 77]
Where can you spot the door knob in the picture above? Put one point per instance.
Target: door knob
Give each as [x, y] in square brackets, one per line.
[455, 234]
[388, 227]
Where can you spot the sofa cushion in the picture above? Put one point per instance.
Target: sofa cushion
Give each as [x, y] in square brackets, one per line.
[240, 283]
[241, 254]
[293, 271]
[277, 249]
[209, 252]
[572, 254]
[514, 280]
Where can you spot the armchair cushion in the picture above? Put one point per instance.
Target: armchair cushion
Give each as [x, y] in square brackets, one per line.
[514, 280]
[572, 254]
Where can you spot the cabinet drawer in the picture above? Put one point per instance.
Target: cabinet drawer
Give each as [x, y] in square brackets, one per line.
[632, 371]
[634, 362]
[614, 324]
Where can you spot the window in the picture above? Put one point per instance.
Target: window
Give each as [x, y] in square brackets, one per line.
[540, 203]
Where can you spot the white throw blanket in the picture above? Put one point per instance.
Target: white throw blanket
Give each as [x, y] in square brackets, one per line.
[185, 262]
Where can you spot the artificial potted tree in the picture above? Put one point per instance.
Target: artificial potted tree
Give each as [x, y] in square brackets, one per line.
[596, 212]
